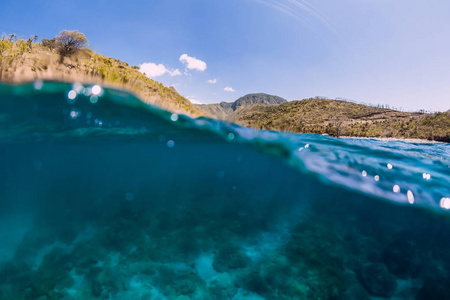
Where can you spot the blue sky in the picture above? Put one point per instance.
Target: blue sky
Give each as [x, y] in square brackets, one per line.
[373, 51]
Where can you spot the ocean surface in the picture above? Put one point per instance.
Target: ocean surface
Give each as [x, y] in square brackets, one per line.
[105, 197]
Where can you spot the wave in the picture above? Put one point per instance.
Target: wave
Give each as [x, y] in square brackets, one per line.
[409, 173]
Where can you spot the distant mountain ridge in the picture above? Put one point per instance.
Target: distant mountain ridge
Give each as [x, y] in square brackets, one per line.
[226, 110]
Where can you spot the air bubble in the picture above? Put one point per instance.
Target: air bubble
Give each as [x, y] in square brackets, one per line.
[71, 95]
[93, 99]
[445, 203]
[96, 90]
[170, 143]
[87, 92]
[74, 114]
[410, 196]
[77, 87]
[396, 188]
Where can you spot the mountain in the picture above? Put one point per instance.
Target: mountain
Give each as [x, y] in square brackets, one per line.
[22, 61]
[227, 110]
[260, 98]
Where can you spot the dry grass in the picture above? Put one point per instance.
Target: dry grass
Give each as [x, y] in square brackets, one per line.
[21, 62]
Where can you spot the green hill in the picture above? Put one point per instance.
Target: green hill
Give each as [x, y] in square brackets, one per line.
[341, 118]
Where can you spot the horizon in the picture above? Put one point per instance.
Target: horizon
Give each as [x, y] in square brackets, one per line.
[375, 52]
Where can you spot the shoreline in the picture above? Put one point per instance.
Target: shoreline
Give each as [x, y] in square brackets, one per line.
[390, 139]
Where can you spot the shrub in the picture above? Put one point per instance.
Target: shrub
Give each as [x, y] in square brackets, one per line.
[5, 45]
[50, 44]
[70, 41]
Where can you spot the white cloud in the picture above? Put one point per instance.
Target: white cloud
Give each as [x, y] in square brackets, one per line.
[193, 63]
[153, 70]
[229, 89]
[175, 73]
[212, 80]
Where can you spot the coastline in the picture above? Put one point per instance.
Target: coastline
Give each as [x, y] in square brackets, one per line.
[390, 139]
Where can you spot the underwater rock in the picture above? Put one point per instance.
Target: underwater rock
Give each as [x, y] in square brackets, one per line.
[377, 280]
[354, 291]
[16, 275]
[230, 258]
[402, 259]
[122, 235]
[185, 285]
[274, 277]
[222, 287]
[96, 288]
[315, 249]
[189, 285]
[84, 256]
[51, 276]
[254, 282]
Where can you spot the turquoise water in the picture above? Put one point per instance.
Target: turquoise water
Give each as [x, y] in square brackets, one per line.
[105, 197]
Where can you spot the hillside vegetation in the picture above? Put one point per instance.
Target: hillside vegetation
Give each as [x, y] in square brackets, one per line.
[22, 61]
[341, 118]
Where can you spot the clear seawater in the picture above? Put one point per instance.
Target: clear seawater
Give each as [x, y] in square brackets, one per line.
[105, 197]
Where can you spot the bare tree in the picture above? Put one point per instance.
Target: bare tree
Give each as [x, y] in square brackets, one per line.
[338, 120]
[70, 41]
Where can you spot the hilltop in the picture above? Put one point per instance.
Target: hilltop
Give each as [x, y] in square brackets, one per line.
[227, 110]
[22, 61]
